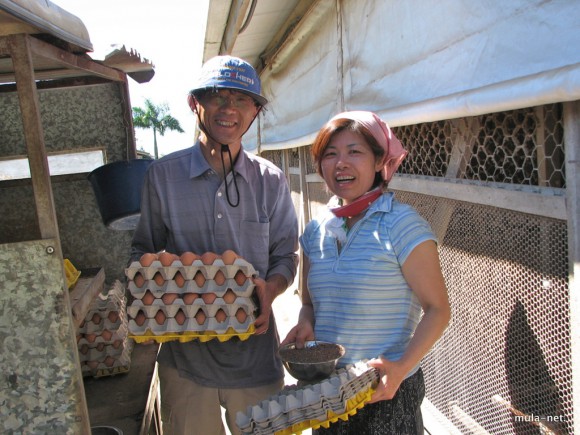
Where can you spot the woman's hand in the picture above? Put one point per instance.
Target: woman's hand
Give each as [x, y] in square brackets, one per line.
[299, 334]
[391, 377]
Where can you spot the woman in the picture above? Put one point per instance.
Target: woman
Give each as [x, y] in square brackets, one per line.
[372, 265]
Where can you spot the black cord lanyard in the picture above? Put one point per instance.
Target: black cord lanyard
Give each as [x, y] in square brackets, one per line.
[226, 149]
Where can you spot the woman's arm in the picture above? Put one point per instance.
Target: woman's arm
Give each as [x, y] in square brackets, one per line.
[422, 272]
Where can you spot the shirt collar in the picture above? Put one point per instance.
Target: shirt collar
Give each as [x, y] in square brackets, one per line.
[200, 166]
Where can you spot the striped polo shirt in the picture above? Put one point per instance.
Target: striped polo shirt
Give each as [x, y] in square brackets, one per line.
[360, 297]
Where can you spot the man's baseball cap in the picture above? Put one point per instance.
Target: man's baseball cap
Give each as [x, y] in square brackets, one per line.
[229, 72]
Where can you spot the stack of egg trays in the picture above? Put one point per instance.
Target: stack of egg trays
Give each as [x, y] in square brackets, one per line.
[295, 409]
[191, 329]
[95, 347]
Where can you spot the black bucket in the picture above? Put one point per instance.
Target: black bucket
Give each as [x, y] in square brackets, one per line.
[117, 187]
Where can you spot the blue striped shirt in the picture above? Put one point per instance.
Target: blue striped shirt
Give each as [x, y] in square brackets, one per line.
[359, 294]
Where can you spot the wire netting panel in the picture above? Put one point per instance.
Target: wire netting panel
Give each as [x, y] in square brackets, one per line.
[503, 365]
[523, 147]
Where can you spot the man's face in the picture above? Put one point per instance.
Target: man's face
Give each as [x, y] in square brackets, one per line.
[226, 115]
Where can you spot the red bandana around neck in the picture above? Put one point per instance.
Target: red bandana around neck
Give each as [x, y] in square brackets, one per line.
[358, 205]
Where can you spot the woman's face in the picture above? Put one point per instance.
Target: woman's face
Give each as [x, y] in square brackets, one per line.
[349, 166]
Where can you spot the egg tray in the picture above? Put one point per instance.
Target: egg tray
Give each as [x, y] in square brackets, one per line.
[105, 307]
[245, 290]
[98, 338]
[295, 409]
[191, 310]
[191, 330]
[101, 351]
[90, 327]
[120, 364]
[189, 272]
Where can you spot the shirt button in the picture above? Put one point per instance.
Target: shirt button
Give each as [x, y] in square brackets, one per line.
[219, 215]
[219, 194]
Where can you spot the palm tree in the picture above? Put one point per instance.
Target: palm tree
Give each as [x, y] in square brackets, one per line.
[155, 117]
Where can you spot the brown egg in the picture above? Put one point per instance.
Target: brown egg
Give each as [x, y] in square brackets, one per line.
[140, 318]
[90, 337]
[187, 258]
[100, 347]
[199, 279]
[79, 336]
[219, 277]
[147, 259]
[208, 298]
[169, 298]
[208, 258]
[113, 316]
[200, 317]
[241, 315]
[92, 364]
[84, 349]
[106, 334]
[109, 361]
[229, 257]
[158, 278]
[96, 319]
[229, 297]
[167, 258]
[148, 298]
[160, 317]
[180, 317]
[240, 278]
[220, 316]
[117, 344]
[139, 280]
[188, 298]
[179, 280]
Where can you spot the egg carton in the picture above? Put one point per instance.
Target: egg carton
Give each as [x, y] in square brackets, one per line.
[190, 310]
[105, 336]
[190, 325]
[109, 365]
[91, 327]
[190, 286]
[101, 351]
[295, 409]
[106, 311]
[188, 272]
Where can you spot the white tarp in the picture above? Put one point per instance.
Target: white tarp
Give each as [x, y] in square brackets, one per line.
[418, 60]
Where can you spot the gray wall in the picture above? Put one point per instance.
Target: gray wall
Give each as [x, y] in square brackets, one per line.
[72, 119]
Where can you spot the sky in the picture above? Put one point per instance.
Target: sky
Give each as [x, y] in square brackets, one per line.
[170, 33]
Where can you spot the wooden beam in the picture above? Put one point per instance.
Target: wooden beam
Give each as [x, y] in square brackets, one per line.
[21, 55]
[83, 63]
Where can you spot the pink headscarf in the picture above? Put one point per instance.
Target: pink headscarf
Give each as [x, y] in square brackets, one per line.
[394, 151]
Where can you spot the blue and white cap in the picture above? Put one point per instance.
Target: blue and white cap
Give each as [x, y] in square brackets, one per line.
[229, 72]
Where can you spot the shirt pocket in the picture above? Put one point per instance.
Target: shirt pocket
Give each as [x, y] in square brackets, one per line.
[254, 241]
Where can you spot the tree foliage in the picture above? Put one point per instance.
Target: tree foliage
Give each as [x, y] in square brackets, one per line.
[156, 117]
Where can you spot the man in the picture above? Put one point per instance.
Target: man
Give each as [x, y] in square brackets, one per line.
[213, 197]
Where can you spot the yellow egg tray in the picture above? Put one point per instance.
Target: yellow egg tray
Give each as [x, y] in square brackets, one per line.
[352, 405]
[71, 272]
[202, 336]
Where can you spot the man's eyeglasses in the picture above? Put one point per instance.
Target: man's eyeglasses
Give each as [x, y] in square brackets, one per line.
[236, 99]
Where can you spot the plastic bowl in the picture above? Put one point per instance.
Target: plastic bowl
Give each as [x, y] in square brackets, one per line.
[314, 362]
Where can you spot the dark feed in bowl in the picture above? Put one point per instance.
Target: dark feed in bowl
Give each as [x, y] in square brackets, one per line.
[320, 353]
